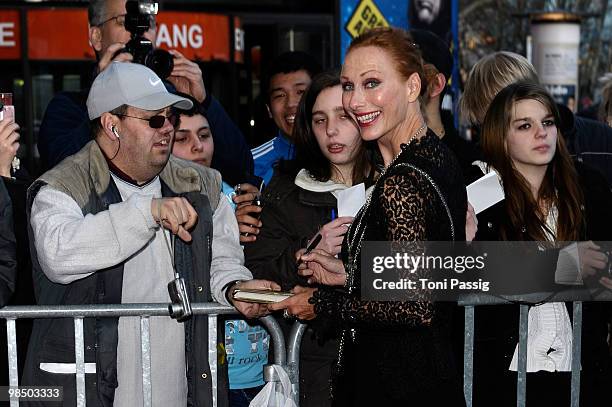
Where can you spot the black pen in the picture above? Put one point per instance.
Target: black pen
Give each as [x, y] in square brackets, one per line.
[311, 246]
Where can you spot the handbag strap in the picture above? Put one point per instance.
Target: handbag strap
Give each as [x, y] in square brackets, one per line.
[438, 191]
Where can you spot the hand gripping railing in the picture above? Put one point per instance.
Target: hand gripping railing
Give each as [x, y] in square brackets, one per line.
[145, 311]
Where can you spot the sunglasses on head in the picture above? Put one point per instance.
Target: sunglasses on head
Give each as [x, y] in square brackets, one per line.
[157, 121]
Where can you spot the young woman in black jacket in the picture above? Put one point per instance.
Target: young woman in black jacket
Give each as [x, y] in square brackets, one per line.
[547, 198]
[300, 202]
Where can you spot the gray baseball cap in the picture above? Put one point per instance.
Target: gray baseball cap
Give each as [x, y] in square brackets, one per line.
[125, 83]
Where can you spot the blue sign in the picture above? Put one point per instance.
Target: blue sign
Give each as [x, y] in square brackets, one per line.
[365, 14]
[438, 16]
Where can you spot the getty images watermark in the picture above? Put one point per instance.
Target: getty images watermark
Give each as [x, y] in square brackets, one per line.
[448, 271]
[403, 263]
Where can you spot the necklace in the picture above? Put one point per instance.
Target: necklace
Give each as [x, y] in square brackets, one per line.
[402, 147]
[359, 231]
[418, 133]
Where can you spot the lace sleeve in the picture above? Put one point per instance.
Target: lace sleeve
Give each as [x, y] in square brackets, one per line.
[403, 207]
[403, 201]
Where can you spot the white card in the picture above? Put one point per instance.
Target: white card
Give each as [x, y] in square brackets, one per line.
[485, 192]
[350, 200]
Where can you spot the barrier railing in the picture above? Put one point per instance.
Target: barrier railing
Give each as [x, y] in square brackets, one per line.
[472, 301]
[145, 311]
[286, 353]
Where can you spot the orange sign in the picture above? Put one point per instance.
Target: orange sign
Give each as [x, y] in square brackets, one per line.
[62, 34]
[198, 36]
[58, 34]
[10, 34]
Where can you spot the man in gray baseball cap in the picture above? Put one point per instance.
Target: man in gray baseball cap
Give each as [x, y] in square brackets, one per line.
[99, 223]
[133, 85]
[132, 122]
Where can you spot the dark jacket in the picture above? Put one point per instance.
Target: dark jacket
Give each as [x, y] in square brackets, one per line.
[17, 188]
[588, 141]
[86, 179]
[497, 326]
[466, 151]
[8, 259]
[23, 291]
[65, 130]
[291, 216]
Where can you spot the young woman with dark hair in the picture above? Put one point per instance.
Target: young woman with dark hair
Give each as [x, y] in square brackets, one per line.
[314, 143]
[534, 180]
[300, 202]
[548, 198]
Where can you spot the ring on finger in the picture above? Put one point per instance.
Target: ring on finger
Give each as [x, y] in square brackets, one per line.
[287, 314]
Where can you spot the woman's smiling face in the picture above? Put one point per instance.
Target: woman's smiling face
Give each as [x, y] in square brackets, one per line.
[374, 92]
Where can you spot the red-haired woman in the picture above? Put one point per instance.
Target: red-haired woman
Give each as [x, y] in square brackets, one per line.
[392, 352]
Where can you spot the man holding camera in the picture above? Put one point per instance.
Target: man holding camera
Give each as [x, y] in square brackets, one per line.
[65, 126]
[99, 224]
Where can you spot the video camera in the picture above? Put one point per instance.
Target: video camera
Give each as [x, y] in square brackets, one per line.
[138, 18]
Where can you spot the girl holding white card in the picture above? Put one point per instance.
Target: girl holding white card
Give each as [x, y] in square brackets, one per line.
[300, 203]
[548, 198]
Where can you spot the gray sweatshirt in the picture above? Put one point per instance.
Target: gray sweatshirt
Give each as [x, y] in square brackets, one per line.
[71, 246]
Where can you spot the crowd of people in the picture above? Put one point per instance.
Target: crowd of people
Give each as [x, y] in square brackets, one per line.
[148, 178]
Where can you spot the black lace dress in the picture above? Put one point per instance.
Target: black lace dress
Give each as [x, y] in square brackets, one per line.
[399, 353]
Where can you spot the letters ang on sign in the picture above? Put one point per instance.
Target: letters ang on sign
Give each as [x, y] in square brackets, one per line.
[198, 36]
[180, 35]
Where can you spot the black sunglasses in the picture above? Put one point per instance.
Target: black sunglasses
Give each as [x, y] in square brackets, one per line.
[157, 121]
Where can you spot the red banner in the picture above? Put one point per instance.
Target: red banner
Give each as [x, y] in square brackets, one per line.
[198, 36]
[62, 34]
[10, 34]
[58, 34]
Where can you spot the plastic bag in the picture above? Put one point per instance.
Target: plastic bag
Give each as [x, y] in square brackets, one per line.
[270, 396]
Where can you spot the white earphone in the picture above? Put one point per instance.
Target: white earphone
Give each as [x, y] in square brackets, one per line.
[115, 132]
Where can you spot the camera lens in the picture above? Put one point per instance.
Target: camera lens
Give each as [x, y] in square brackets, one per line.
[160, 62]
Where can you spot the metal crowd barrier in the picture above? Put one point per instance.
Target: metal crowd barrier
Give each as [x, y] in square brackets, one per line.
[472, 301]
[286, 358]
[286, 355]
